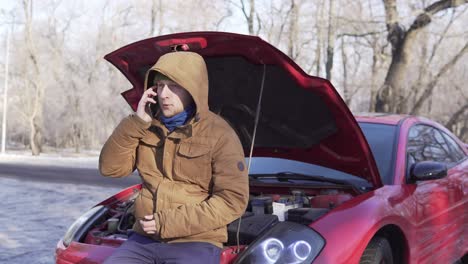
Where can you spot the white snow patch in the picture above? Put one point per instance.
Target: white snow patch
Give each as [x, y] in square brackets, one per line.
[89, 160]
[35, 215]
[7, 242]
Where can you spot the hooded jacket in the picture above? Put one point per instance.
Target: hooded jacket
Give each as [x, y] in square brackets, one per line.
[194, 178]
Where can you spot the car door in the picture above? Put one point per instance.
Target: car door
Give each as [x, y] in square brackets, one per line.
[439, 204]
[458, 193]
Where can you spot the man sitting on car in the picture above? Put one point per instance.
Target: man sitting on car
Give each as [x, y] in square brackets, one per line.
[191, 163]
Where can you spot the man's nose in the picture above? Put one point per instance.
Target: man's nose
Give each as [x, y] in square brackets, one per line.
[164, 91]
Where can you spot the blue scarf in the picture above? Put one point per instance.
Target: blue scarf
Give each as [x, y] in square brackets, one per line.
[177, 120]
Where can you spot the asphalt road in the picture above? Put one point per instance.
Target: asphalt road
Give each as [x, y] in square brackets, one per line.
[56, 174]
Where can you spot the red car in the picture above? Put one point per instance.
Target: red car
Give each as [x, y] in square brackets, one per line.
[325, 186]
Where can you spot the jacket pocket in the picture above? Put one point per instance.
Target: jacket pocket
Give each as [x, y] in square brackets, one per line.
[193, 163]
[190, 150]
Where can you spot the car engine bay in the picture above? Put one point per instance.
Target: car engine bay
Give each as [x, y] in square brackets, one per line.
[301, 206]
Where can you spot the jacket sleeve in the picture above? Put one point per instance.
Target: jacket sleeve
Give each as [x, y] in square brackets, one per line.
[228, 200]
[117, 158]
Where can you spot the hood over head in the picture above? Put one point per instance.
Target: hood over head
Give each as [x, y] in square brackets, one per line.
[188, 69]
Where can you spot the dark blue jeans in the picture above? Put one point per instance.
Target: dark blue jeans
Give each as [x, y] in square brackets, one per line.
[141, 249]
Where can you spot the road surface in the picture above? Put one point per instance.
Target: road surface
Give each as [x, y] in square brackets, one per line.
[56, 174]
[41, 197]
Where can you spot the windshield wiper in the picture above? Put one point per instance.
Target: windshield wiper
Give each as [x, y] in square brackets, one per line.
[287, 176]
[291, 176]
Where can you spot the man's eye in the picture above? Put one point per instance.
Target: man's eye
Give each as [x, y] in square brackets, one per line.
[174, 86]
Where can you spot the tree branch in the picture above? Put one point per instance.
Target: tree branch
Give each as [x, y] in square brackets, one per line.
[396, 33]
[359, 35]
[458, 88]
[430, 87]
[244, 11]
[425, 18]
[218, 23]
[456, 116]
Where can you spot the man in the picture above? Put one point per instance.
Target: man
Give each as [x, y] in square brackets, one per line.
[191, 163]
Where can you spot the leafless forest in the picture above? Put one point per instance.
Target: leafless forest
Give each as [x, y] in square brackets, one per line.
[382, 55]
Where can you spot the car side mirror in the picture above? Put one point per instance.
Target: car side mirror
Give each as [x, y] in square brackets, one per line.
[428, 170]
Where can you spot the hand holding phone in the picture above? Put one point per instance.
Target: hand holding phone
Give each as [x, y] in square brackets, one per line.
[147, 103]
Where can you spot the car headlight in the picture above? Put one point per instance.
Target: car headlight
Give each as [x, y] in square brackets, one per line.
[285, 243]
[81, 226]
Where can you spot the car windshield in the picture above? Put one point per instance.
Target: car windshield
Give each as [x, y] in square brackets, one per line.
[283, 167]
[382, 141]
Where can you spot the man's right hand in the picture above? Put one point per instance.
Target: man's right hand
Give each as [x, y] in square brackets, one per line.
[143, 110]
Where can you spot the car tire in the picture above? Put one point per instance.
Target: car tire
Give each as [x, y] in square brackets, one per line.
[463, 260]
[378, 251]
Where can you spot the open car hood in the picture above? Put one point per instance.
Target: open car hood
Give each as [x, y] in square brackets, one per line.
[302, 117]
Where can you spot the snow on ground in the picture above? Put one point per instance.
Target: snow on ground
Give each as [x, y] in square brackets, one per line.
[87, 159]
[35, 215]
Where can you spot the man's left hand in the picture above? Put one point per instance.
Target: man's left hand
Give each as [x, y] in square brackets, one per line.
[148, 224]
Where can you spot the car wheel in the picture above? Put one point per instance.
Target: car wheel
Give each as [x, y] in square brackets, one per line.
[377, 252]
[463, 260]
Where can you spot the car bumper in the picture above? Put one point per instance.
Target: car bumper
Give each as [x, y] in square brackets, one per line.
[81, 253]
[93, 254]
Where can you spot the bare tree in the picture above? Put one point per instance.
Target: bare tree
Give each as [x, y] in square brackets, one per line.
[35, 118]
[319, 38]
[156, 12]
[293, 28]
[373, 77]
[330, 40]
[250, 15]
[391, 95]
[458, 122]
[427, 93]
[63, 94]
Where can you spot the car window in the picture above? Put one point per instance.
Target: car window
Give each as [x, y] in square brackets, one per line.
[455, 149]
[266, 165]
[381, 139]
[426, 143]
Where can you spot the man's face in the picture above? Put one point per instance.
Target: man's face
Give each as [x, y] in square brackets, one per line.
[172, 98]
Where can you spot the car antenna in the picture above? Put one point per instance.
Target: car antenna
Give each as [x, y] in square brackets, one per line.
[257, 117]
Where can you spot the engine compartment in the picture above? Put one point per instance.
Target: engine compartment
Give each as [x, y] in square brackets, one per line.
[264, 210]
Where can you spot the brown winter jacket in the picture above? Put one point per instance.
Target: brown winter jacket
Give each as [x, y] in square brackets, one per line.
[194, 178]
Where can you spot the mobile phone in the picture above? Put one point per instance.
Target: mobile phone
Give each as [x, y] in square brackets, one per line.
[153, 107]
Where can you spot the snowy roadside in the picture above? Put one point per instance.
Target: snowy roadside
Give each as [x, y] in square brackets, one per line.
[35, 215]
[84, 160]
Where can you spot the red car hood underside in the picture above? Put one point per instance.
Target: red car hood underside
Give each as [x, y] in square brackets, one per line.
[302, 117]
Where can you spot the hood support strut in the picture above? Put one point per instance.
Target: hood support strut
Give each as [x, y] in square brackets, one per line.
[257, 117]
